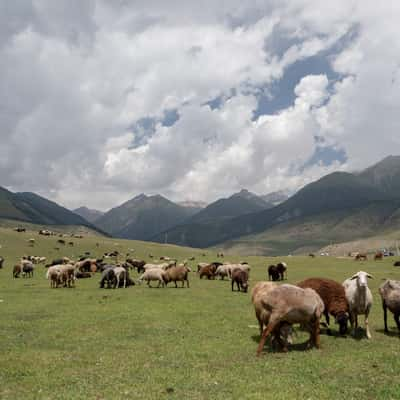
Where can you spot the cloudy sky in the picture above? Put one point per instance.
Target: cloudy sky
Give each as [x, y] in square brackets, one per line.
[101, 100]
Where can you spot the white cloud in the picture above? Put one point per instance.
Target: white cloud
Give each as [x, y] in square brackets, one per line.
[75, 80]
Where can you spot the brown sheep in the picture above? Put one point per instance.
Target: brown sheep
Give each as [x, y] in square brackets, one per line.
[390, 294]
[208, 271]
[361, 256]
[283, 334]
[17, 270]
[333, 295]
[177, 274]
[291, 304]
[240, 277]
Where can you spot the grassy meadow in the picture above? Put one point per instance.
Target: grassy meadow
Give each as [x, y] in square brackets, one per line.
[196, 343]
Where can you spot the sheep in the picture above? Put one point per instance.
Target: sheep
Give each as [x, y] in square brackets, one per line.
[82, 275]
[277, 272]
[333, 295]
[223, 271]
[107, 276]
[54, 277]
[396, 264]
[240, 277]
[175, 274]
[138, 264]
[154, 274]
[359, 298]
[242, 267]
[27, 269]
[17, 270]
[291, 304]
[120, 272]
[208, 271]
[1, 262]
[273, 273]
[68, 275]
[282, 333]
[390, 294]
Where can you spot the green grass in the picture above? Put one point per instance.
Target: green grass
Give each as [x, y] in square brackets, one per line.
[197, 343]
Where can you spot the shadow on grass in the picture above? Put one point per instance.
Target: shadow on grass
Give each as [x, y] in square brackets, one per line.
[391, 333]
[269, 348]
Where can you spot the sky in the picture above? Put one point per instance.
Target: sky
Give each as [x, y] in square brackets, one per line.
[101, 100]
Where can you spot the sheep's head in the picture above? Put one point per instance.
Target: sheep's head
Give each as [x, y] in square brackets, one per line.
[342, 319]
[362, 278]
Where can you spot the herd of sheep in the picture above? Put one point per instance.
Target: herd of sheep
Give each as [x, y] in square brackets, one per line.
[277, 306]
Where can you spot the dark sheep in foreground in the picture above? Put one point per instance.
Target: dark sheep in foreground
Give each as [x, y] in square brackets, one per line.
[396, 264]
[291, 304]
[390, 294]
[334, 297]
[241, 278]
[1, 261]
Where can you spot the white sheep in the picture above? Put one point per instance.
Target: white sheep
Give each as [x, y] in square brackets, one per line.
[153, 274]
[223, 271]
[359, 298]
[120, 272]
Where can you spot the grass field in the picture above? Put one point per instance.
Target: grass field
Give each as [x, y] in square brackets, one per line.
[197, 343]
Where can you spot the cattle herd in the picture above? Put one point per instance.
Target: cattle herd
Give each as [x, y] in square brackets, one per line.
[277, 306]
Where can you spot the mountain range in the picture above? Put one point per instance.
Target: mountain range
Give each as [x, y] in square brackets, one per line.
[338, 207]
[29, 207]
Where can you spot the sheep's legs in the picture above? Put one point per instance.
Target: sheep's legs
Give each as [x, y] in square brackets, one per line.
[367, 327]
[267, 331]
[397, 320]
[385, 316]
[187, 282]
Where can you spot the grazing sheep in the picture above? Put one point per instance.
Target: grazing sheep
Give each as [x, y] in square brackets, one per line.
[378, 256]
[177, 274]
[107, 277]
[334, 297]
[17, 270]
[1, 262]
[82, 275]
[291, 304]
[259, 292]
[208, 271]
[240, 277]
[273, 273]
[396, 264]
[359, 298]
[27, 269]
[390, 294]
[223, 271]
[361, 256]
[154, 274]
[54, 277]
[120, 273]
[138, 264]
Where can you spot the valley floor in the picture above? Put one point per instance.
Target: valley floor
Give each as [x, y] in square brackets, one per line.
[196, 343]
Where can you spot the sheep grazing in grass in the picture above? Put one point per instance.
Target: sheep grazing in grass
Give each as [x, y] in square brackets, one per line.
[359, 298]
[138, 264]
[291, 304]
[82, 275]
[390, 294]
[154, 274]
[27, 269]
[120, 274]
[108, 277]
[177, 274]
[240, 277]
[334, 297]
[208, 271]
[396, 264]
[54, 277]
[277, 272]
[283, 333]
[223, 271]
[17, 270]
